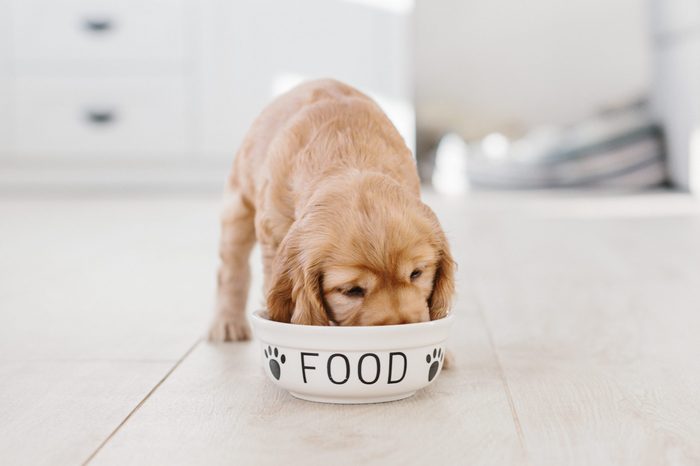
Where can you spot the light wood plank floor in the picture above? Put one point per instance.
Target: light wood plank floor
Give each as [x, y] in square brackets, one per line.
[576, 341]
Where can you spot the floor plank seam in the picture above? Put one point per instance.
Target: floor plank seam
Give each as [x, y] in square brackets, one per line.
[141, 403]
[504, 381]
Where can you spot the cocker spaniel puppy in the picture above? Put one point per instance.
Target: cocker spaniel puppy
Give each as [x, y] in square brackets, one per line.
[327, 186]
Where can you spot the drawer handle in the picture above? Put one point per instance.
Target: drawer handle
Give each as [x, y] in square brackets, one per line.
[100, 117]
[98, 25]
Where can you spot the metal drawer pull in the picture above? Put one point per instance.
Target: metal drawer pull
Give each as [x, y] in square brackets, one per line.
[100, 117]
[100, 25]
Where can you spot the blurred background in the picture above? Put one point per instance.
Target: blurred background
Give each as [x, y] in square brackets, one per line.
[557, 140]
[497, 94]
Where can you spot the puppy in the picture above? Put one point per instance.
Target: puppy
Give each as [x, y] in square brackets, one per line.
[327, 186]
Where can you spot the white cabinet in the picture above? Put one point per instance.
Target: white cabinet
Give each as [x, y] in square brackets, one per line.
[98, 31]
[114, 118]
[134, 85]
[96, 81]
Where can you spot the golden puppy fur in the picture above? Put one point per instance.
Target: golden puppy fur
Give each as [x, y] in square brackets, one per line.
[330, 190]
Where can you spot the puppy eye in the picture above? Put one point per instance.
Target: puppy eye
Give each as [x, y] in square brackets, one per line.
[415, 274]
[355, 292]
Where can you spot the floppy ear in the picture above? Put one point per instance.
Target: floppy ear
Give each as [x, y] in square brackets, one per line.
[295, 286]
[443, 284]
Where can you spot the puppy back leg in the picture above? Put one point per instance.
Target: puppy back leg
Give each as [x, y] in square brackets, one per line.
[237, 240]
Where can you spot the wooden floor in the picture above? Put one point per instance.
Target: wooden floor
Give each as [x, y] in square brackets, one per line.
[577, 341]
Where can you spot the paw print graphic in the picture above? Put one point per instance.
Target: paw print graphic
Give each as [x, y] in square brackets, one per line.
[275, 367]
[436, 359]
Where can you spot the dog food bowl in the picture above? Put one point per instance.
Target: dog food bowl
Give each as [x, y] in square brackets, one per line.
[351, 364]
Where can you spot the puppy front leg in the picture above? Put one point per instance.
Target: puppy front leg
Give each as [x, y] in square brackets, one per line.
[237, 240]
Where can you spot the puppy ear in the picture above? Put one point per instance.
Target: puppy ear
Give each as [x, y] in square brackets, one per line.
[280, 305]
[440, 299]
[295, 286]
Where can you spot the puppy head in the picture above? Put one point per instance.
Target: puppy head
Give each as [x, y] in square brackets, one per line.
[366, 252]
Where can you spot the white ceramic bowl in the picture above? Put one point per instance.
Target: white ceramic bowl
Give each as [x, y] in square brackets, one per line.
[352, 364]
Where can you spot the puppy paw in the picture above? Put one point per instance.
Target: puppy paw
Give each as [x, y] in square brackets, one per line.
[223, 329]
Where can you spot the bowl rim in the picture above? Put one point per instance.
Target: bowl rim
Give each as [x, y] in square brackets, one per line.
[355, 338]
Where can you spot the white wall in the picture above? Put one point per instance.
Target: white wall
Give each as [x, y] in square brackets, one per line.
[484, 65]
[255, 49]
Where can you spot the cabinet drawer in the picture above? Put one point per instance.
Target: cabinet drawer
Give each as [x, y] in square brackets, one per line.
[106, 118]
[98, 30]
